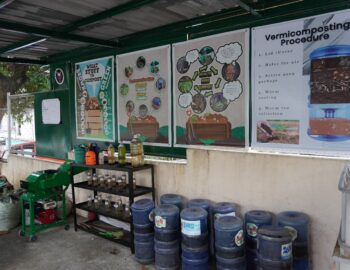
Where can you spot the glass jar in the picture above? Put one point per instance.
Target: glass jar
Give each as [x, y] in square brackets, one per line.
[95, 180]
[111, 152]
[134, 182]
[121, 154]
[136, 152]
[89, 179]
[90, 201]
[102, 182]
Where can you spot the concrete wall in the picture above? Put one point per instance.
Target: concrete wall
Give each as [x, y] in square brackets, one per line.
[253, 180]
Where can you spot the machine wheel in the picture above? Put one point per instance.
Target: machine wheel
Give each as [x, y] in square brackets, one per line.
[66, 227]
[33, 238]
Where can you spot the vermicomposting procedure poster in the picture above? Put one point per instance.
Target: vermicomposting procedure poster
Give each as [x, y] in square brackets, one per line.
[144, 97]
[94, 99]
[210, 90]
[301, 85]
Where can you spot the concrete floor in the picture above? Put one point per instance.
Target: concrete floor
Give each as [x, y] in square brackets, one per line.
[58, 249]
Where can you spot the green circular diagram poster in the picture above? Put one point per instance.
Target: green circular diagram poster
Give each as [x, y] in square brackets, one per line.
[210, 90]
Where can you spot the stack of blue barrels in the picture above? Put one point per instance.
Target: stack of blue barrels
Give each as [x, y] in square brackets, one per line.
[275, 248]
[252, 221]
[143, 230]
[194, 230]
[219, 210]
[299, 223]
[229, 243]
[166, 238]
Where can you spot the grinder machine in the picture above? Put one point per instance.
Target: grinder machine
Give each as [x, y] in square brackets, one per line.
[44, 199]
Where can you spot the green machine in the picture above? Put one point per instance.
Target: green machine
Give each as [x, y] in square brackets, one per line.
[44, 200]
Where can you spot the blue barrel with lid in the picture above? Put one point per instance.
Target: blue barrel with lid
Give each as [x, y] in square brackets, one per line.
[174, 199]
[301, 264]
[232, 264]
[265, 264]
[201, 203]
[144, 252]
[194, 226]
[229, 252]
[143, 237]
[274, 244]
[167, 244]
[229, 232]
[224, 209]
[195, 264]
[166, 217]
[144, 228]
[252, 221]
[141, 212]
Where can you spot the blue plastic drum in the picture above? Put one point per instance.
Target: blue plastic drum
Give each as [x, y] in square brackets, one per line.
[229, 252]
[252, 259]
[224, 209]
[172, 199]
[274, 243]
[166, 217]
[297, 221]
[143, 237]
[252, 221]
[195, 253]
[167, 258]
[229, 232]
[201, 203]
[144, 252]
[195, 264]
[141, 211]
[194, 227]
[232, 264]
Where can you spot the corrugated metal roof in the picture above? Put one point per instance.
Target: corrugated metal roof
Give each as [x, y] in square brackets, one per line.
[71, 24]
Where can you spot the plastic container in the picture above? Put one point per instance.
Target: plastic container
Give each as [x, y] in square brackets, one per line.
[274, 243]
[194, 264]
[329, 109]
[167, 258]
[142, 212]
[195, 241]
[252, 221]
[144, 252]
[297, 221]
[136, 152]
[233, 264]
[166, 217]
[301, 264]
[195, 253]
[145, 228]
[224, 209]
[144, 237]
[194, 221]
[229, 253]
[265, 264]
[79, 154]
[202, 203]
[167, 244]
[229, 232]
[252, 259]
[165, 235]
[172, 199]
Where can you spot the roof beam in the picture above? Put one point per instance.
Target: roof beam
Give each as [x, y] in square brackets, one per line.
[248, 8]
[135, 4]
[82, 22]
[41, 32]
[4, 3]
[23, 61]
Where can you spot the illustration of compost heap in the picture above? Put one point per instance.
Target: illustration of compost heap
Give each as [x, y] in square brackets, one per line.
[142, 100]
[214, 79]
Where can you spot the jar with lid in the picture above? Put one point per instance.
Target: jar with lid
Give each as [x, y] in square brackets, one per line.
[136, 152]
[134, 182]
[89, 179]
[127, 212]
[114, 181]
[109, 183]
[90, 201]
[95, 180]
[111, 152]
[121, 154]
[102, 181]
[119, 183]
[123, 181]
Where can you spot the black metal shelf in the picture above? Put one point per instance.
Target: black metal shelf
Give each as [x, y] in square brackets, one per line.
[139, 191]
[128, 191]
[125, 240]
[102, 211]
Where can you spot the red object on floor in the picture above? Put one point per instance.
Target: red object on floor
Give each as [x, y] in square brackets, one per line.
[92, 216]
[47, 216]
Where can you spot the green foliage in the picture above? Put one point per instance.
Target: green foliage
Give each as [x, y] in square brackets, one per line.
[19, 79]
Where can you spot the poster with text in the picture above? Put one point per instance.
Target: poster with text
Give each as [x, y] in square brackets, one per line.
[144, 97]
[211, 86]
[94, 99]
[301, 89]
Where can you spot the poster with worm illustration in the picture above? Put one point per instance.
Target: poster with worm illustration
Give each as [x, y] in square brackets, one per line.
[210, 90]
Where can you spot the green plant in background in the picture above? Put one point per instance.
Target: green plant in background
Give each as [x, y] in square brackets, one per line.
[20, 79]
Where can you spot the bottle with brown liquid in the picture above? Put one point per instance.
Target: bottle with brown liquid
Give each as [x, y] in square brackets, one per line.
[111, 157]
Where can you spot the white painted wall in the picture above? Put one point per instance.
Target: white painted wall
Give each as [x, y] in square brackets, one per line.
[253, 180]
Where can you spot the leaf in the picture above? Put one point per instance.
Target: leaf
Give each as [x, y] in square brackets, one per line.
[238, 133]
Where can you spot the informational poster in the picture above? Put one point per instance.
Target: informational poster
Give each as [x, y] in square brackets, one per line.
[51, 111]
[144, 97]
[301, 91]
[211, 86]
[94, 99]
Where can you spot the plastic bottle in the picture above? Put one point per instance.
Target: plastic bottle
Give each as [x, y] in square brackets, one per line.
[121, 154]
[136, 151]
[90, 157]
[101, 158]
[111, 157]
